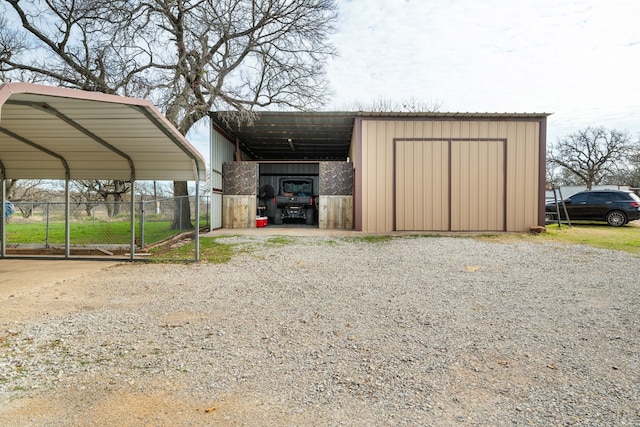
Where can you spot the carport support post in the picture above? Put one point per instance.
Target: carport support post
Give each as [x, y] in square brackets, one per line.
[3, 224]
[142, 216]
[197, 209]
[132, 251]
[67, 213]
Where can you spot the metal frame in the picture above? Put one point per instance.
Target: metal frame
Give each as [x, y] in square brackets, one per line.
[41, 98]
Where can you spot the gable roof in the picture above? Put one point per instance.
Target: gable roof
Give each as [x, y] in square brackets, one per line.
[57, 133]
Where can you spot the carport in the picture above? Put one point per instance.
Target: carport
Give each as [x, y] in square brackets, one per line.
[67, 134]
[249, 156]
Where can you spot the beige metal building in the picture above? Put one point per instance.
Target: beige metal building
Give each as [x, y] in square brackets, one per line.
[411, 171]
[449, 172]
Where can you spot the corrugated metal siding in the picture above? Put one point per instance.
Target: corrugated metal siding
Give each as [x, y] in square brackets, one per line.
[477, 185]
[522, 175]
[222, 150]
[377, 173]
[422, 197]
[522, 166]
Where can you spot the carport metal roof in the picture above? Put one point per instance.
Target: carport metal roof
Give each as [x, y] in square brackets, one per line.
[57, 133]
[297, 135]
[275, 135]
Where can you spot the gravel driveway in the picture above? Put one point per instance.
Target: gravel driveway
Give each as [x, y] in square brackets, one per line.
[327, 331]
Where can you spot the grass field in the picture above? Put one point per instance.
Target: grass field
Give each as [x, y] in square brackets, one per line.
[84, 233]
[625, 239]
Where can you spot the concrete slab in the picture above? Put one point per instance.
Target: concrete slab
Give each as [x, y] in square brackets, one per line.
[281, 230]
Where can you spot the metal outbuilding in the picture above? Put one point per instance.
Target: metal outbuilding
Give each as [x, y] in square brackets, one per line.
[67, 134]
[410, 171]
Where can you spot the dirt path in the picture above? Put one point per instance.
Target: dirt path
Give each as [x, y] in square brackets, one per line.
[40, 284]
[35, 289]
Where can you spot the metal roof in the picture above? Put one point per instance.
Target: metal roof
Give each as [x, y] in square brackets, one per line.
[275, 135]
[455, 115]
[57, 133]
[293, 135]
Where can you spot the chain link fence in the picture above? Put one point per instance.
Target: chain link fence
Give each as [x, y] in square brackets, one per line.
[99, 227]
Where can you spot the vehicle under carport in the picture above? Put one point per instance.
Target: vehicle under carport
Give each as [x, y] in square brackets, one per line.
[246, 159]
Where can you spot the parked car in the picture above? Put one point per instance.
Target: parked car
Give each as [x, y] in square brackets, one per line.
[616, 207]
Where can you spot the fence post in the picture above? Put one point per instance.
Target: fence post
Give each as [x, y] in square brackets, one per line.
[142, 224]
[46, 218]
[180, 213]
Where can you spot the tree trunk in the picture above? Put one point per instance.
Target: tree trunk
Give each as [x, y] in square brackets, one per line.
[117, 198]
[109, 208]
[182, 211]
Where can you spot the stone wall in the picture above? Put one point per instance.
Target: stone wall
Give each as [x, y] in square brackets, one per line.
[335, 190]
[336, 179]
[240, 178]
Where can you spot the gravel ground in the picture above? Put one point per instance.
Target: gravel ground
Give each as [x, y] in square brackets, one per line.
[334, 331]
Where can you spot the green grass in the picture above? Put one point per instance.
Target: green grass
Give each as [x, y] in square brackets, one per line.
[625, 239]
[82, 233]
[280, 240]
[210, 251]
[377, 238]
[157, 231]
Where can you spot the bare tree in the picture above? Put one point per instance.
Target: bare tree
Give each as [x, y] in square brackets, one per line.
[26, 193]
[153, 190]
[92, 192]
[411, 105]
[629, 172]
[189, 57]
[591, 155]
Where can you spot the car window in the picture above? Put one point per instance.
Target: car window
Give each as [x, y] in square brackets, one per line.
[601, 197]
[578, 198]
[635, 197]
[297, 187]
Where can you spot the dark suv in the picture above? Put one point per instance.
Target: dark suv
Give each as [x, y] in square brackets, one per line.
[613, 206]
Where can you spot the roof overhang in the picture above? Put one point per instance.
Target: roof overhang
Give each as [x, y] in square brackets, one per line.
[58, 133]
[275, 135]
[298, 136]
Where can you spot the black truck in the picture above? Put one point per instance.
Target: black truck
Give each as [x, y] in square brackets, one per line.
[295, 200]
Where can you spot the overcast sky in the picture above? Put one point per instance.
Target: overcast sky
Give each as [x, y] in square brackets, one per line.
[579, 60]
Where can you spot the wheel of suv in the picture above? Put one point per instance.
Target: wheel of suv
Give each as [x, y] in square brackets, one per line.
[549, 217]
[616, 218]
